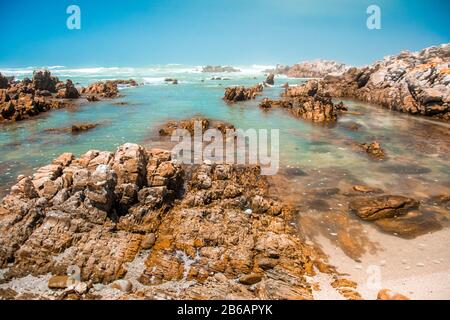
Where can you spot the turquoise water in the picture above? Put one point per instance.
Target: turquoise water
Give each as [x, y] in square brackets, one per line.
[417, 149]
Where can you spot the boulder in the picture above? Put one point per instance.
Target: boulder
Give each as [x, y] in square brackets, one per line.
[387, 206]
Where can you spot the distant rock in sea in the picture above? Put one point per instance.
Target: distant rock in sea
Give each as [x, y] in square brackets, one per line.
[219, 69]
[311, 69]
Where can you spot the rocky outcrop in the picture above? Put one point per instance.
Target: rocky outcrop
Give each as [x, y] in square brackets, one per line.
[3, 82]
[71, 92]
[219, 69]
[213, 230]
[374, 150]
[21, 100]
[105, 89]
[270, 79]
[306, 102]
[189, 124]
[416, 83]
[312, 69]
[235, 94]
[43, 80]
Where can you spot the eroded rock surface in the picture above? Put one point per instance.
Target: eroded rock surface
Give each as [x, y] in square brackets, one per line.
[102, 211]
[235, 94]
[411, 82]
[21, 100]
[305, 102]
[312, 69]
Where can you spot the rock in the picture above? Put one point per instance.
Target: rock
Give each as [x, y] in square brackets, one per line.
[235, 94]
[219, 69]
[411, 82]
[148, 241]
[122, 285]
[43, 80]
[305, 102]
[387, 206]
[204, 124]
[92, 98]
[386, 294]
[77, 128]
[374, 150]
[270, 79]
[250, 279]
[312, 69]
[3, 82]
[366, 189]
[81, 288]
[101, 184]
[101, 213]
[60, 282]
[106, 89]
[71, 92]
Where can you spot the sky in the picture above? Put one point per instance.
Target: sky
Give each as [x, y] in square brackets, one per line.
[198, 32]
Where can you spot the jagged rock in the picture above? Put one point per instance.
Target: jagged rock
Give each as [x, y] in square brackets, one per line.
[374, 150]
[189, 124]
[306, 102]
[107, 89]
[270, 79]
[235, 94]
[195, 222]
[92, 98]
[312, 69]
[382, 207]
[71, 92]
[415, 83]
[3, 82]
[43, 80]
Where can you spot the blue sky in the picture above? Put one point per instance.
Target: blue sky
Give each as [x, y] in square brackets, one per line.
[141, 33]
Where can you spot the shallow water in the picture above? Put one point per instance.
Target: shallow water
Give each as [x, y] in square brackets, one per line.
[319, 164]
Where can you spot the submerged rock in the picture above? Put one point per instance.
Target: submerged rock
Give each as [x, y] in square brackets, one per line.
[374, 150]
[189, 124]
[77, 128]
[386, 206]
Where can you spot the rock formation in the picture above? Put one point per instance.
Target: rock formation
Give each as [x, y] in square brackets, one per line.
[20, 100]
[105, 89]
[386, 206]
[306, 102]
[416, 83]
[189, 124]
[213, 230]
[270, 79]
[235, 94]
[312, 69]
[219, 69]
